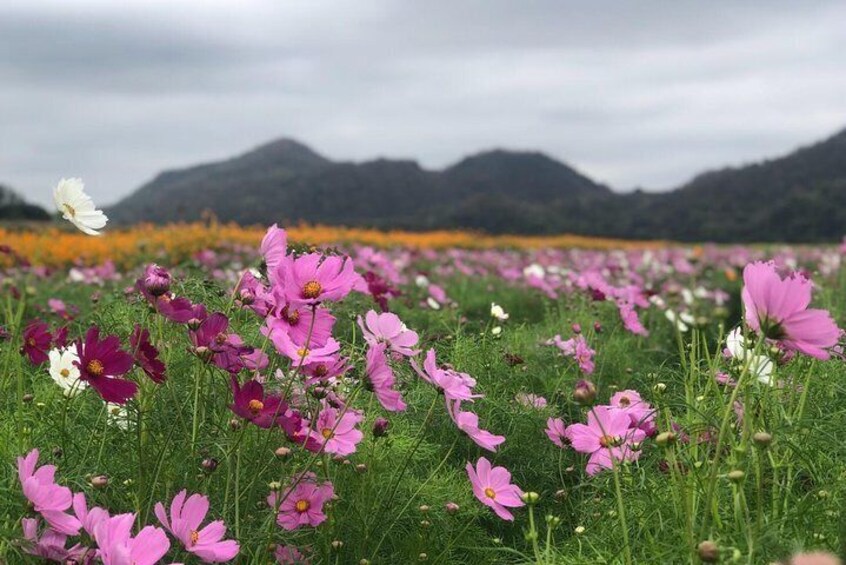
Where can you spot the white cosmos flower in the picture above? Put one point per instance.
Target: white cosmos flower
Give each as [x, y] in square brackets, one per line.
[682, 321]
[64, 372]
[498, 312]
[534, 270]
[77, 207]
[117, 415]
[759, 365]
[433, 304]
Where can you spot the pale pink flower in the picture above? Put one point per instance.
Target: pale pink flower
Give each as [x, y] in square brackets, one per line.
[454, 385]
[47, 498]
[388, 328]
[382, 379]
[607, 435]
[493, 488]
[185, 519]
[116, 546]
[468, 422]
[556, 431]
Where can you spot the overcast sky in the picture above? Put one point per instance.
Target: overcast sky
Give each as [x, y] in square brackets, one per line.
[633, 93]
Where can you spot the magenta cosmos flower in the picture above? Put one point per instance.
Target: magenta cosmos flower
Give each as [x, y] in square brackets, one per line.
[250, 403]
[778, 309]
[468, 422]
[335, 430]
[302, 505]
[185, 518]
[36, 342]
[453, 385]
[117, 546]
[607, 434]
[382, 380]
[492, 486]
[47, 498]
[313, 278]
[49, 545]
[641, 412]
[146, 355]
[387, 328]
[302, 324]
[102, 363]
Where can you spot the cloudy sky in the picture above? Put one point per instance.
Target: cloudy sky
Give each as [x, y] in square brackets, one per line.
[633, 93]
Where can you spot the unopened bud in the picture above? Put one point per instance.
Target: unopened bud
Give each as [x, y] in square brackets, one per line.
[451, 507]
[99, 481]
[736, 476]
[708, 551]
[282, 452]
[762, 439]
[530, 497]
[380, 427]
[361, 468]
[209, 464]
[665, 438]
[337, 545]
[584, 393]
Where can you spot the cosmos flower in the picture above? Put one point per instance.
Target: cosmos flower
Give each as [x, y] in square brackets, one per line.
[388, 328]
[453, 385]
[607, 434]
[186, 515]
[49, 545]
[468, 422]
[47, 498]
[102, 363]
[556, 431]
[381, 379]
[302, 504]
[117, 546]
[146, 355]
[498, 313]
[778, 309]
[251, 403]
[77, 207]
[315, 278]
[493, 488]
[335, 430]
[64, 371]
[36, 342]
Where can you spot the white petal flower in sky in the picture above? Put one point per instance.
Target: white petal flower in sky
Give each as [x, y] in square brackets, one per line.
[64, 372]
[77, 207]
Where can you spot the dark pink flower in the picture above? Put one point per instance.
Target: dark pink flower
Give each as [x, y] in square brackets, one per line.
[102, 363]
[146, 355]
[186, 515]
[250, 402]
[36, 342]
[302, 504]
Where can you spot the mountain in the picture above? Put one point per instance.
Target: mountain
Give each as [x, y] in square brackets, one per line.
[13, 207]
[799, 197]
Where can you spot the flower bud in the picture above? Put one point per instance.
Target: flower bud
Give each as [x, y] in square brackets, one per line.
[762, 439]
[203, 352]
[665, 438]
[530, 497]
[28, 397]
[99, 481]
[424, 508]
[659, 388]
[584, 393]
[282, 452]
[451, 508]
[597, 327]
[425, 524]
[736, 476]
[708, 551]
[422, 557]
[561, 495]
[193, 324]
[380, 427]
[577, 329]
[209, 464]
[337, 545]
[247, 296]
[156, 280]
[361, 468]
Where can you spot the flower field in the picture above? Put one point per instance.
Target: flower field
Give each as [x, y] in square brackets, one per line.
[209, 393]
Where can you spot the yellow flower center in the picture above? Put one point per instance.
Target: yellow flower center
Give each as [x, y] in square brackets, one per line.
[195, 537]
[69, 209]
[303, 352]
[610, 441]
[327, 433]
[255, 406]
[31, 342]
[312, 289]
[65, 373]
[302, 506]
[95, 367]
[490, 493]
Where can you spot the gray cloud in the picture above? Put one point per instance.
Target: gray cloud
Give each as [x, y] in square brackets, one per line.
[632, 93]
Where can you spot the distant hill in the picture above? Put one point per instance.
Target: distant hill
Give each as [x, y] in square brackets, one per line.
[800, 197]
[13, 207]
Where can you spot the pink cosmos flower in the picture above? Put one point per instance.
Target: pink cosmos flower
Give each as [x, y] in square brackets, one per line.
[468, 422]
[300, 354]
[531, 400]
[146, 355]
[380, 289]
[118, 547]
[641, 412]
[556, 431]
[326, 372]
[493, 488]
[47, 498]
[388, 328]
[88, 518]
[577, 348]
[778, 309]
[607, 434]
[302, 505]
[453, 385]
[185, 519]
[102, 363]
[297, 322]
[630, 319]
[50, 545]
[274, 247]
[36, 342]
[250, 402]
[315, 278]
[289, 555]
[336, 431]
[381, 379]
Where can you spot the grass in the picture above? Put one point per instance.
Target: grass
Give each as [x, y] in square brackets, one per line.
[391, 493]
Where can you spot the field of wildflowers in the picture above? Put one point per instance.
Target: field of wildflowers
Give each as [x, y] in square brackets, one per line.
[208, 394]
